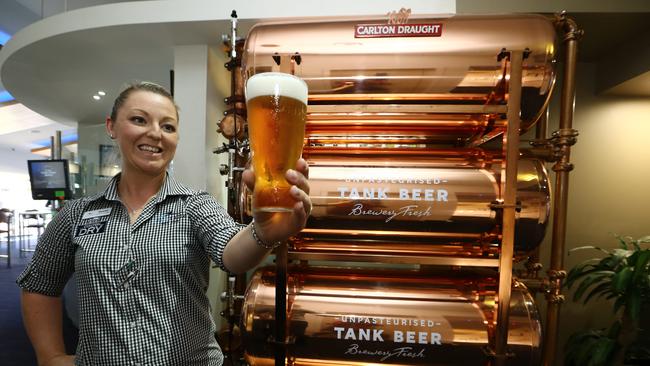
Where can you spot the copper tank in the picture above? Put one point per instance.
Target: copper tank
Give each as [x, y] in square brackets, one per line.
[352, 317]
[423, 203]
[461, 65]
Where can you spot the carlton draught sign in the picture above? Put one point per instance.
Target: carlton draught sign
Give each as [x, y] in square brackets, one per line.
[397, 30]
[397, 27]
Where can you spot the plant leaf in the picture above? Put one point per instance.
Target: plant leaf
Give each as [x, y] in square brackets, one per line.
[600, 290]
[621, 242]
[633, 306]
[619, 302]
[603, 351]
[588, 247]
[582, 346]
[631, 260]
[576, 272]
[587, 282]
[641, 268]
[622, 280]
[645, 239]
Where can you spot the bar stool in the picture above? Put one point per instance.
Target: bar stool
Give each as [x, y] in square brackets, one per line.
[5, 218]
[30, 219]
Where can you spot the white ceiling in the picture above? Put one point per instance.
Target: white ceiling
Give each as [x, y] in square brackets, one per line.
[57, 64]
[21, 128]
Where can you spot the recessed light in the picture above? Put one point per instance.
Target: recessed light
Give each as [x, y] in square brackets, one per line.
[102, 93]
[96, 97]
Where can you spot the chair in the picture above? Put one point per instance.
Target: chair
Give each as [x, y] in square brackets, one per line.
[30, 219]
[5, 218]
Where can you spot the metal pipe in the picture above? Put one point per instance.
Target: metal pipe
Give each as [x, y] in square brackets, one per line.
[542, 126]
[280, 305]
[532, 264]
[563, 139]
[511, 150]
[52, 156]
[56, 148]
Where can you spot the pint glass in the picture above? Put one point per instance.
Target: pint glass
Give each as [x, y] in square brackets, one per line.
[276, 105]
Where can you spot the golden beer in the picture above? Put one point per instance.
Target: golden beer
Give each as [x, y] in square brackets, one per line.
[276, 105]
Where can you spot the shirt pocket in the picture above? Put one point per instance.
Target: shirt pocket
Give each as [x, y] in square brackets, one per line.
[97, 247]
[172, 227]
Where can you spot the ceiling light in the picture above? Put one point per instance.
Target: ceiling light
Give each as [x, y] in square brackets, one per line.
[96, 97]
[102, 93]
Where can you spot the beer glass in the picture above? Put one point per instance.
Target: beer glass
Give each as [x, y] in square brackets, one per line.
[276, 105]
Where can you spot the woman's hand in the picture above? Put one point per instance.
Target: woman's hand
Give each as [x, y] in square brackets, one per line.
[60, 360]
[278, 226]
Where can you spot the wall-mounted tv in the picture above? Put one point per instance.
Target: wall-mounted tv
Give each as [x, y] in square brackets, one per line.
[50, 179]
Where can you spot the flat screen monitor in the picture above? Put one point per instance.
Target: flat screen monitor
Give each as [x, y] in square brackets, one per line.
[49, 179]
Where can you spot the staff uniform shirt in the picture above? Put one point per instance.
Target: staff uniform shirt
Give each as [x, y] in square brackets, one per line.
[142, 287]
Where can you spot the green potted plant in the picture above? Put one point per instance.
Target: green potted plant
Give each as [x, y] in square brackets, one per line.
[623, 276]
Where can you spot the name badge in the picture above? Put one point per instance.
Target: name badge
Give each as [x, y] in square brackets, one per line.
[88, 229]
[96, 213]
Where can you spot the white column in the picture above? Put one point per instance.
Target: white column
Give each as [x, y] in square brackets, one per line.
[190, 90]
[197, 71]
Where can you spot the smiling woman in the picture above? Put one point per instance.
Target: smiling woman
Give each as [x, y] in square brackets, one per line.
[141, 251]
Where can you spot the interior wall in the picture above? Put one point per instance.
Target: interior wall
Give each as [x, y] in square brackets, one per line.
[217, 75]
[218, 83]
[608, 192]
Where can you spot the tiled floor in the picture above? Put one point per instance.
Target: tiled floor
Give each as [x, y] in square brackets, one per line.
[15, 348]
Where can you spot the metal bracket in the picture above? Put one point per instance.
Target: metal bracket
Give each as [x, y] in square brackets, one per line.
[230, 65]
[498, 205]
[564, 137]
[554, 293]
[561, 142]
[297, 58]
[555, 298]
[492, 354]
[555, 274]
[234, 99]
[569, 26]
[506, 54]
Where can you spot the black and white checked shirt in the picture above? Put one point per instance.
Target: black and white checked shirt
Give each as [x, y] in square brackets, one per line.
[142, 287]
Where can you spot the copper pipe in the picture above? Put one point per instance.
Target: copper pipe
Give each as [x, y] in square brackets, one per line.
[542, 126]
[532, 265]
[511, 147]
[564, 138]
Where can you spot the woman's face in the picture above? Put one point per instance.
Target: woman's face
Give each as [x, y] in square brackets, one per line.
[146, 130]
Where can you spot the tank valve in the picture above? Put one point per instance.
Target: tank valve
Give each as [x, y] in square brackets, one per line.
[230, 297]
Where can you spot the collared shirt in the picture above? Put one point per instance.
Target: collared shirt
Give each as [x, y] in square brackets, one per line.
[141, 286]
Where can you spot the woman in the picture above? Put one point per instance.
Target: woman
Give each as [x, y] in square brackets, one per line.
[141, 252]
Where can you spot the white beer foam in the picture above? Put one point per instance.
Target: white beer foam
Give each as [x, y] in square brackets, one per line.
[276, 83]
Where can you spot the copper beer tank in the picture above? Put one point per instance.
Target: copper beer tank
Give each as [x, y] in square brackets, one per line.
[356, 317]
[417, 203]
[461, 65]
